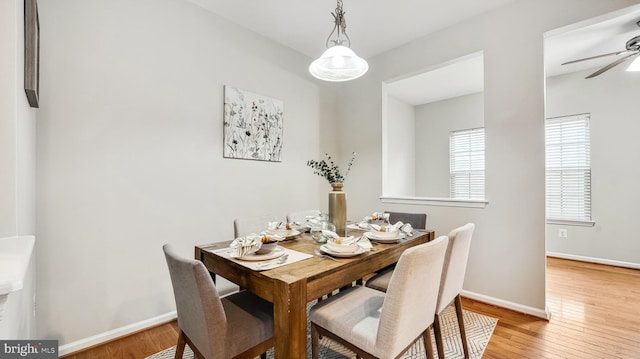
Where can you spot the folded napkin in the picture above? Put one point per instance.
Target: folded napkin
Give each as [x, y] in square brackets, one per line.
[363, 242]
[248, 244]
[273, 225]
[330, 234]
[405, 228]
[334, 235]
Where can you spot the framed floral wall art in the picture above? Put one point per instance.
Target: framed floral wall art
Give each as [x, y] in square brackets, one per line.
[252, 125]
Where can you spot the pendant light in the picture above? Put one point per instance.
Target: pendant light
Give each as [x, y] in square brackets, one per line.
[338, 62]
[635, 65]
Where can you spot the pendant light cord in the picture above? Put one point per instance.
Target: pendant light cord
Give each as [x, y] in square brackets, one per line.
[340, 26]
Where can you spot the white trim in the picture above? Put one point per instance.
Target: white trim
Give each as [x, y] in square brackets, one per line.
[536, 312]
[115, 333]
[568, 222]
[594, 260]
[435, 201]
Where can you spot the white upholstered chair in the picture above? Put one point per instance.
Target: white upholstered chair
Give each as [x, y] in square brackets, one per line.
[255, 224]
[301, 216]
[380, 280]
[236, 326]
[455, 266]
[378, 325]
[453, 272]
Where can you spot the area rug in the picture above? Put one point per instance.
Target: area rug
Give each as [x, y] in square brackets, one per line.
[479, 329]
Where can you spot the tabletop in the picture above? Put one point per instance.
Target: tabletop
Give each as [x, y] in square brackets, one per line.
[291, 286]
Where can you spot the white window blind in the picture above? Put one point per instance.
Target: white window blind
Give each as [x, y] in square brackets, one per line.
[466, 162]
[568, 167]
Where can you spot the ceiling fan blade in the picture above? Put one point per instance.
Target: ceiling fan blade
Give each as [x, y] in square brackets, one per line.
[612, 65]
[597, 57]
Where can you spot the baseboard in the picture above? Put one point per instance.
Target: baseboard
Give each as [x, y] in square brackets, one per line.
[536, 312]
[115, 333]
[594, 260]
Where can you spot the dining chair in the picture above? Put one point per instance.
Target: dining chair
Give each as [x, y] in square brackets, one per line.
[374, 324]
[301, 216]
[256, 224]
[417, 220]
[380, 279]
[236, 326]
[453, 272]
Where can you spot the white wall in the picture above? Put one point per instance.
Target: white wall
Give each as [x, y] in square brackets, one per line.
[17, 128]
[130, 152]
[130, 147]
[507, 260]
[17, 168]
[401, 148]
[434, 122]
[611, 99]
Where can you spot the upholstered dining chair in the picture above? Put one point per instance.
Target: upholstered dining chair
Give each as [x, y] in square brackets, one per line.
[417, 220]
[255, 224]
[455, 266]
[378, 325]
[453, 272]
[301, 216]
[236, 326]
[380, 279]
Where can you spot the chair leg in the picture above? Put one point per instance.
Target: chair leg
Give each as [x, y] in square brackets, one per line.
[180, 346]
[463, 332]
[426, 336]
[437, 331]
[315, 339]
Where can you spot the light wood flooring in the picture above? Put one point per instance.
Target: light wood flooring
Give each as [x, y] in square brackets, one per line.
[595, 313]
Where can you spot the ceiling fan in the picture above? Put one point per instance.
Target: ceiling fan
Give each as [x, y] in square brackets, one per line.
[632, 50]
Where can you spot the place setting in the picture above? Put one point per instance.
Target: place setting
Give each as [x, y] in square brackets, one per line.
[284, 231]
[260, 252]
[345, 247]
[380, 230]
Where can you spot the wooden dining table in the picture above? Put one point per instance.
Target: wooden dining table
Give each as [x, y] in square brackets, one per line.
[290, 287]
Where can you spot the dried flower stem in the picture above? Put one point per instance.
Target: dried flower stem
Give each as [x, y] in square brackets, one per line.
[329, 170]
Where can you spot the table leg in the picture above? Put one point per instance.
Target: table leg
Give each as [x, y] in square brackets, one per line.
[290, 320]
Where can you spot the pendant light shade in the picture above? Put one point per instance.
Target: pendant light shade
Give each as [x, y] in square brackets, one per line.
[338, 62]
[635, 65]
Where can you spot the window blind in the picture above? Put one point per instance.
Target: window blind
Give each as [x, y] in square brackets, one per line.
[466, 163]
[568, 168]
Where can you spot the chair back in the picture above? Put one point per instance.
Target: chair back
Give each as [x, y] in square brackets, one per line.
[256, 224]
[455, 265]
[410, 303]
[417, 220]
[201, 315]
[301, 216]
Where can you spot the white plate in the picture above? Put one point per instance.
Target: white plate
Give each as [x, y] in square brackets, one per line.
[285, 233]
[277, 252]
[373, 237]
[328, 251]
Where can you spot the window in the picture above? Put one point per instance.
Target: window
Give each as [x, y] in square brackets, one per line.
[568, 166]
[466, 161]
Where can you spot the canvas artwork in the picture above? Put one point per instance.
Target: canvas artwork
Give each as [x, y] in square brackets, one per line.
[252, 125]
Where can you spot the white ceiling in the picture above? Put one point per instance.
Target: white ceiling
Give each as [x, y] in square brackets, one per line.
[457, 78]
[604, 34]
[376, 26]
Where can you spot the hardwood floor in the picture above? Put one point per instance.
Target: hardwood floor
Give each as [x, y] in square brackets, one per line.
[594, 314]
